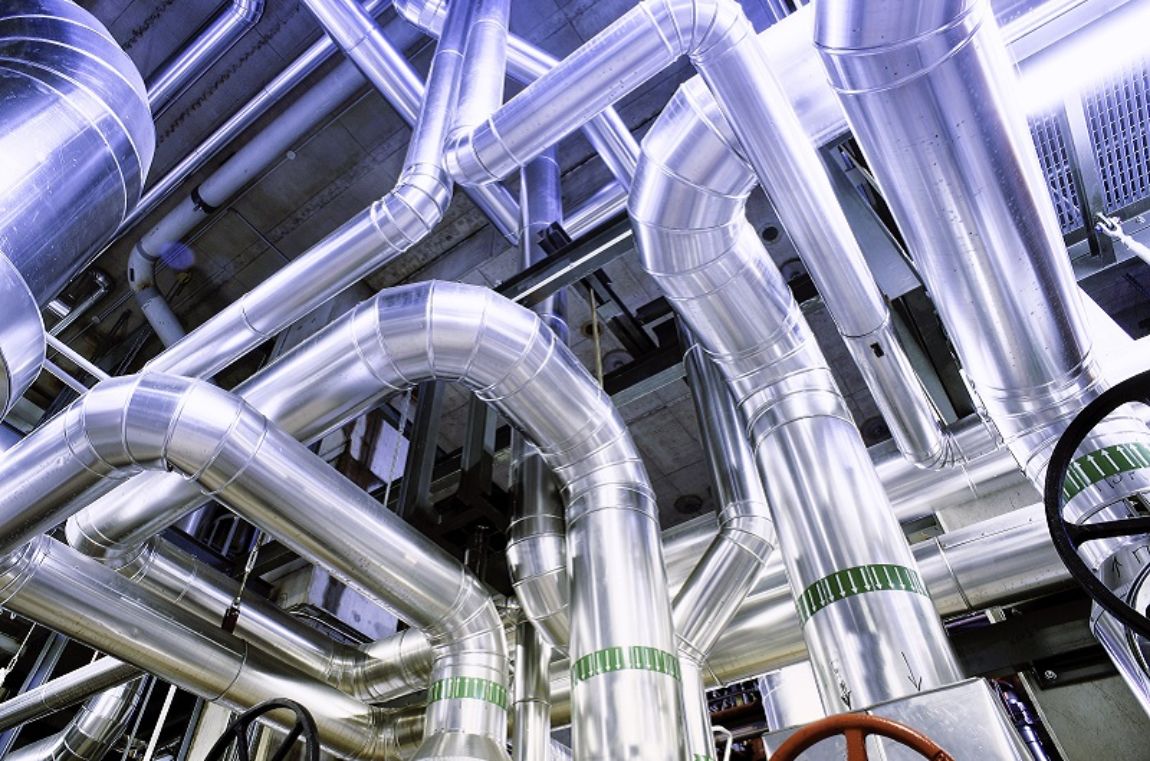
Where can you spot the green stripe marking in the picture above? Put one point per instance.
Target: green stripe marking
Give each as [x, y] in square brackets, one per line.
[701, 757]
[458, 687]
[1104, 463]
[880, 577]
[636, 657]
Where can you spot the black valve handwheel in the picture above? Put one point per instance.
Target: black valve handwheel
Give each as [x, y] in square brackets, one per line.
[237, 732]
[1069, 537]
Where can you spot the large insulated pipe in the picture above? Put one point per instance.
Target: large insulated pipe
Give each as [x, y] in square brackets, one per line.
[375, 673]
[363, 42]
[54, 585]
[208, 45]
[503, 352]
[92, 732]
[76, 139]
[846, 556]
[64, 691]
[232, 452]
[727, 570]
[536, 534]
[932, 98]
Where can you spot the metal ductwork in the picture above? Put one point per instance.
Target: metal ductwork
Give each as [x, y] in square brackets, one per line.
[92, 731]
[455, 332]
[234, 454]
[77, 139]
[933, 101]
[49, 582]
[392, 627]
[727, 570]
[687, 206]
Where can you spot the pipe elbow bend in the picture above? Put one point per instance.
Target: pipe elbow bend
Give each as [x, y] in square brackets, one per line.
[410, 212]
[464, 161]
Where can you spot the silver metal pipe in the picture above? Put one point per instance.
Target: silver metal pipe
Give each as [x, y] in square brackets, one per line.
[97, 726]
[369, 240]
[457, 332]
[259, 153]
[378, 672]
[52, 584]
[65, 691]
[155, 421]
[208, 45]
[78, 141]
[365, 44]
[537, 533]
[606, 131]
[696, 243]
[766, 633]
[933, 100]
[531, 738]
[712, 594]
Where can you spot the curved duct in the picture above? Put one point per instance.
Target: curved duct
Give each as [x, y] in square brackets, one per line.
[209, 44]
[456, 332]
[932, 99]
[92, 732]
[606, 131]
[366, 242]
[537, 532]
[76, 139]
[162, 422]
[846, 556]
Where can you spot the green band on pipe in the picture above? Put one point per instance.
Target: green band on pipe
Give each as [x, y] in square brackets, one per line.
[880, 577]
[636, 657]
[457, 687]
[1104, 463]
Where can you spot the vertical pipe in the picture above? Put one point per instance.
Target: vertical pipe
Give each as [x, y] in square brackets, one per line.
[531, 740]
[867, 621]
[712, 594]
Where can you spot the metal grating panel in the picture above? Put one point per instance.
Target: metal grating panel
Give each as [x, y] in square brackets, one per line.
[1055, 159]
[1118, 116]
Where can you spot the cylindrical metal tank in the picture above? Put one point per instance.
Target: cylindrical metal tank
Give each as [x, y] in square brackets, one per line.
[76, 142]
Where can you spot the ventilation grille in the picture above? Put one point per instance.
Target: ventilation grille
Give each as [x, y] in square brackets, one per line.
[1055, 160]
[1118, 117]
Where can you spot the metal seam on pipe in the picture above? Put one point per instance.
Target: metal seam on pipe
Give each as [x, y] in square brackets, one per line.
[65, 691]
[389, 341]
[363, 244]
[710, 597]
[996, 262]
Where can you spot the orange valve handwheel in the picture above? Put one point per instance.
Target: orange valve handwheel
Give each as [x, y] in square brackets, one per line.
[855, 727]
